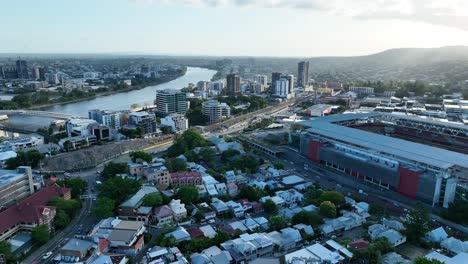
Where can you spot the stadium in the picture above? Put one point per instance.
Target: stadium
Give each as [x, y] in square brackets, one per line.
[420, 158]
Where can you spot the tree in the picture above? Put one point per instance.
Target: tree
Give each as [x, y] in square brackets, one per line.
[207, 155]
[138, 156]
[70, 207]
[5, 249]
[279, 166]
[152, 200]
[335, 197]
[246, 163]
[270, 207]
[104, 208]
[251, 193]
[118, 188]
[30, 158]
[176, 165]
[312, 195]
[277, 222]
[221, 237]
[308, 218]
[40, 234]
[111, 169]
[188, 194]
[189, 140]
[417, 222]
[424, 260]
[328, 209]
[376, 210]
[78, 186]
[61, 219]
[229, 154]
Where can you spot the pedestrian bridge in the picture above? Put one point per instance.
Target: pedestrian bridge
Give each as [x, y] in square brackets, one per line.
[39, 114]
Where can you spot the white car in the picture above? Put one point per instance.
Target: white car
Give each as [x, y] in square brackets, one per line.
[47, 255]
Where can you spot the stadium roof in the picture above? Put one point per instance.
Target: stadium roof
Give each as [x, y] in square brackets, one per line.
[393, 146]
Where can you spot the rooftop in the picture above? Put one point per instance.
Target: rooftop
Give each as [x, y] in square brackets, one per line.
[8, 176]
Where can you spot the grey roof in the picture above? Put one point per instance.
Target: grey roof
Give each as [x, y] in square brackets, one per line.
[137, 198]
[7, 176]
[78, 245]
[391, 146]
[121, 235]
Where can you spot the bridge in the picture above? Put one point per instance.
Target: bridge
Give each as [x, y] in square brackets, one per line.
[39, 114]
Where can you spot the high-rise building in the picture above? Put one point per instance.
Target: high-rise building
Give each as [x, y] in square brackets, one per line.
[216, 111]
[290, 79]
[282, 88]
[303, 74]
[42, 73]
[36, 73]
[22, 69]
[261, 79]
[53, 78]
[170, 101]
[233, 84]
[275, 76]
[143, 120]
[111, 119]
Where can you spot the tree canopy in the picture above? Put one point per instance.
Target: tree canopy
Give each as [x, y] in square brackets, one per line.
[77, 185]
[187, 141]
[188, 194]
[153, 199]
[417, 222]
[111, 169]
[118, 188]
[328, 209]
[30, 158]
[40, 234]
[308, 218]
[335, 197]
[176, 165]
[270, 207]
[104, 208]
[277, 222]
[140, 156]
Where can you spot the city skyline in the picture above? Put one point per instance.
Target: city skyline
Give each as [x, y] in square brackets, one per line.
[284, 28]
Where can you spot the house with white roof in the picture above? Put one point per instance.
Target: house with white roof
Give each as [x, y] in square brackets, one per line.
[178, 208]
[375, 230]
[307, 229]
[238, 225]
[314, 254]
[394, 237]
[262, 222]
[219, 206]
[339, 248]
[250, 224]
[454, 245]
[230, 176]
[236, 208]
[288, 238]
[211, 190]
[180, 234]
[437, 235]
[290, 197]
[208, 231]
[393, 224]
[221, 188]
[277, 200]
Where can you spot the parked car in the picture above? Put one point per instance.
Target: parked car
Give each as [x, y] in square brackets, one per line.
[47, 255]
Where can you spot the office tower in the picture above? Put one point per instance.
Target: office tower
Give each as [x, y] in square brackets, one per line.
[233, 84]
[42, 74]
[275, 76]
[170, 101]
[303, 74]
[282, 88]
[22, 69]
[290, 79]
[261, 79]
[35, 73]
[111, 119]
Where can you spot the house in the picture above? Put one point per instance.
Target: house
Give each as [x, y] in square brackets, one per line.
[288, 238]
[289, 213]
[336, 247]
[307, 229]
[292, 180]
[262, 222]
[230, 177]
[219, 206]
[221, 188]
[250, 224]
[394, 237]
[249, 247]
[216, 255]
[178, 209]
[110, 259]
[211, 190]
[197, 258]
[290, 197]
[359, 244]
[394, 258]
[232, 189]
[460, 258]
[277, 200]
[164, 215]
[132, 208]
[180, 234]
[195, 233]
[393, 224]
[310, 208]
[207, 211]
[454, 245]
[201, 190]
[437, 235]
[375, 230]
[208, 231]
[237, 225]
[316, 252]
[159, 175]
[236, 208]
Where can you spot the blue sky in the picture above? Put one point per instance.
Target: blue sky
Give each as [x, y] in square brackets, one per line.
[231, 27]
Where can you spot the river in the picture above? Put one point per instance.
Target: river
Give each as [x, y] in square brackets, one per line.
[123, 101]
[119, 101]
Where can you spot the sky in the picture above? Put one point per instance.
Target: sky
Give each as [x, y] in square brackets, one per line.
[296, 28]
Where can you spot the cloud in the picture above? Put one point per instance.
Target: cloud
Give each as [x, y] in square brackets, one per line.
[450, 13]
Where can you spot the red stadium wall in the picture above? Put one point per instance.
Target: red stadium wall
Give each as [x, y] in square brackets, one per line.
[408, 185]
[314, 149]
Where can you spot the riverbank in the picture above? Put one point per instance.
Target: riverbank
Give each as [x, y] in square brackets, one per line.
[108, 93]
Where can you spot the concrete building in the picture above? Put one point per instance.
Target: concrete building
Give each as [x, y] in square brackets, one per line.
[261, 79]
[21, 143]
[15, 186]
[233, 84]
[275, 76]
[177, 122]
[111, 119]
[79, 127]
[362, 91]
[22, 69]
[303, 74]
[321, 109]
[282, 88]
[144, 120]
[170, 101]
[216, 111]
[415, 170]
